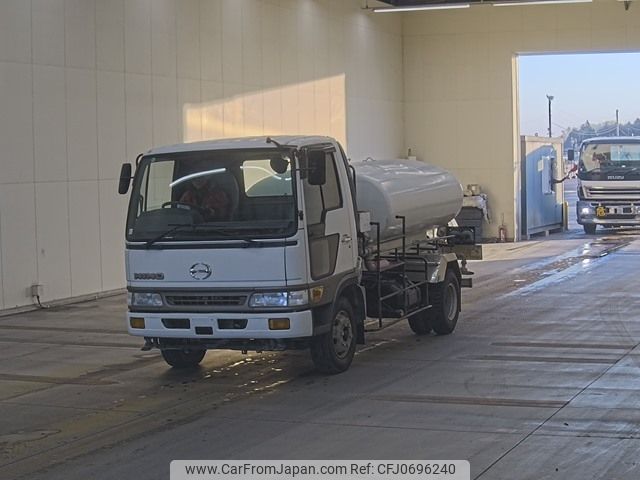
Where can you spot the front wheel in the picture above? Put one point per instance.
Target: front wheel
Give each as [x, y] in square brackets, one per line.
[183, 358]
[333, 351]
[589, 228]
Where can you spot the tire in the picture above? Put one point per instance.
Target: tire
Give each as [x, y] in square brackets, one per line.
[183, 358]
[445, 304]
[420, 323]
[589, 229]
[333, 351]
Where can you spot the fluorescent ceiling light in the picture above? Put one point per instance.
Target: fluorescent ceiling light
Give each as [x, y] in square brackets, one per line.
[421, 8]
[538, 2]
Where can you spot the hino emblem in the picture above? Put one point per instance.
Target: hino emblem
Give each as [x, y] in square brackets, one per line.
[200, 271]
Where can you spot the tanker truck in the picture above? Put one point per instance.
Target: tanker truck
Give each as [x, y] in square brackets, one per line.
[266, 244]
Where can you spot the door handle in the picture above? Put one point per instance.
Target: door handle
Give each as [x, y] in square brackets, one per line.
[346, 238]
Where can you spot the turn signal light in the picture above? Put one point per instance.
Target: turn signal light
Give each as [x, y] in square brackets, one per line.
[279, 324]
[316, 294]
[136, 322]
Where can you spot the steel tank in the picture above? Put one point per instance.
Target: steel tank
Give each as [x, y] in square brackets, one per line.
[427, 196]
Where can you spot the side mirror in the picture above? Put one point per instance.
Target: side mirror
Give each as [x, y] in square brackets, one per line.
[125, 178]
[317, 168]
[571, 155]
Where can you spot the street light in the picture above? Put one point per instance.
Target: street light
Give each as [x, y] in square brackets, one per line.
[550, 97]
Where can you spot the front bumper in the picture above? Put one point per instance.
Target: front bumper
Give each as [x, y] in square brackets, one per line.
[257, 325]
[615, 213]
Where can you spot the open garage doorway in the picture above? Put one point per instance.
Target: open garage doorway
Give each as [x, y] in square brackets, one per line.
[572, 98]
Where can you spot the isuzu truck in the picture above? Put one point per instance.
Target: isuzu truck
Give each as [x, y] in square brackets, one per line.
[609, 183]
[262, 244]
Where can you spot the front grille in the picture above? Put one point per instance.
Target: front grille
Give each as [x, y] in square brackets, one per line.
[619, 217]
[609, 192]
[206, 300]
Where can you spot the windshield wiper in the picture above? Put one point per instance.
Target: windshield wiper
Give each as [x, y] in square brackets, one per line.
[208, 228]
[624, 170]
[605, 168]
[196, 226]
[174, 228]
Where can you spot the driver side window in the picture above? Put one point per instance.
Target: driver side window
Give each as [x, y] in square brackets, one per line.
[159, 177]
[319, 199]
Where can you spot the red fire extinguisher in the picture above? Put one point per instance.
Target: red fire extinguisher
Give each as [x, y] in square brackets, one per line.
[502, 232]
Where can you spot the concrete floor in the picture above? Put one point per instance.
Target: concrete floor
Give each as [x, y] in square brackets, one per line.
[540, 380]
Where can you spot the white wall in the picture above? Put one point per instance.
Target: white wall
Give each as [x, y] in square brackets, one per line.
[460, 77]
[88, 84]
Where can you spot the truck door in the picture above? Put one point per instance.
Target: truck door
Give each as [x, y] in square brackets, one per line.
[329, 216]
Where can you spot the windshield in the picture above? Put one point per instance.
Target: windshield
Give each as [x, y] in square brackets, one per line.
[213, 195]
[610, 156]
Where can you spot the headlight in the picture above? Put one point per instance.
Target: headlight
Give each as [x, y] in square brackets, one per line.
[138, 299]
[279, 299]
[586, 211]
[301, 297]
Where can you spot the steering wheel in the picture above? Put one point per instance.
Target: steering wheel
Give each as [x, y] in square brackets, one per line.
[187, 206]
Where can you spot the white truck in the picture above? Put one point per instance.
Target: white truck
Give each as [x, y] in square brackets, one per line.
[262, 244]
[608, 182]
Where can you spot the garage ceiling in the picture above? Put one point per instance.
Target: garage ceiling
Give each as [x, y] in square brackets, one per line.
[413, 3]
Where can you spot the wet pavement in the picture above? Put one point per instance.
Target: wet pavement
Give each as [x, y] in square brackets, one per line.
[540, 380]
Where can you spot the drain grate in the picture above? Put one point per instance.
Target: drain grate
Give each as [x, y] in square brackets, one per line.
[605, 346]
[525, 358]
[86, 380]
[488, 401]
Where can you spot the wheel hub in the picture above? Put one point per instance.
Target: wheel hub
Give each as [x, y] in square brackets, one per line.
[342, 334]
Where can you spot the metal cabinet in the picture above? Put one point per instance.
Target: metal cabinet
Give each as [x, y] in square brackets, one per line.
[541, 199]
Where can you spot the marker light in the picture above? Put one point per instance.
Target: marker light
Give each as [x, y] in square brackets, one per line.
[279, 324]
[136, 322]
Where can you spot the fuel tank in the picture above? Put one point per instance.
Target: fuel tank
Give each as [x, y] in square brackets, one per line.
[426, 195]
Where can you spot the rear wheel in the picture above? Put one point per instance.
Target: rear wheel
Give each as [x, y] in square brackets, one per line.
[333, 351]
[445, 304]
[589, 228]
[183, 358]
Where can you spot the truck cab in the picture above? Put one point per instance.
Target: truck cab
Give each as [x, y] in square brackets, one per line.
[609, 183]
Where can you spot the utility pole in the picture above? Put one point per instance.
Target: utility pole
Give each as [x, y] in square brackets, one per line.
[550, 98]
[617, 123]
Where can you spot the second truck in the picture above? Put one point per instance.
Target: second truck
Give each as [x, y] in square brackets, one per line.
[609, 182]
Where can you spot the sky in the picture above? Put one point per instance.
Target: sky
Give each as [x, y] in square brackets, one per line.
[585, 87]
